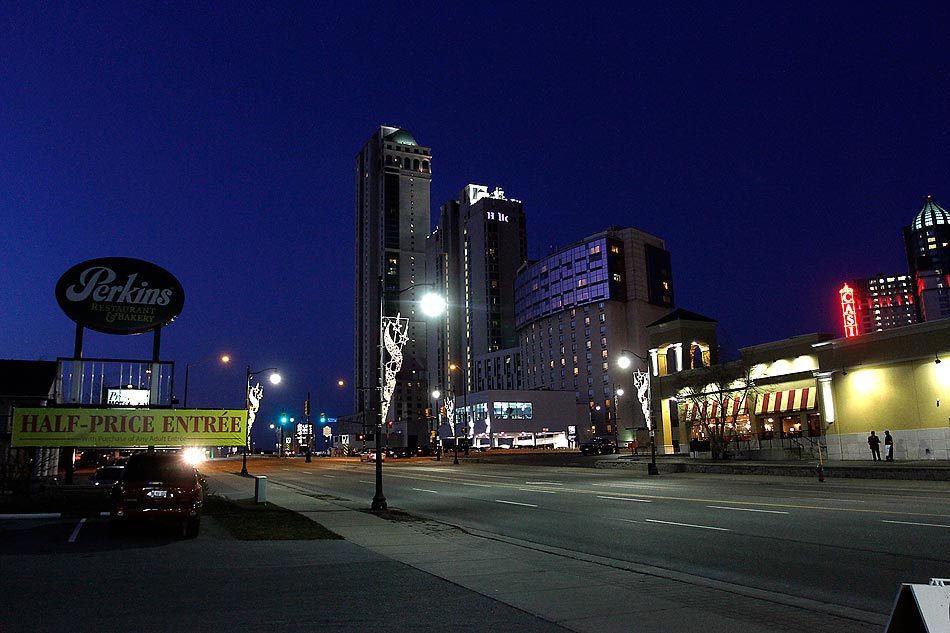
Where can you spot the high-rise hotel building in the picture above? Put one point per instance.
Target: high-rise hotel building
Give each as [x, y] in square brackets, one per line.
[579, 308]
[927, 242]
[473, 257]
[393, 173]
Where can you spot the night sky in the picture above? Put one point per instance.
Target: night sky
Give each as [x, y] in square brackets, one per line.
[777, 149]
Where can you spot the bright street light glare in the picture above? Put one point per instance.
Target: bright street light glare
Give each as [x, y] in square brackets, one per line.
[623, 362]
[275, 378]
[194, 455]
[436, 394]
[432, 304]
[225, 359]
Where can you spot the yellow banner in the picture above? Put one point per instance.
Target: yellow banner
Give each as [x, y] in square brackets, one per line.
[89, 428]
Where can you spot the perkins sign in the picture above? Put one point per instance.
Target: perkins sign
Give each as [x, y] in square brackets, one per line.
[120, 295]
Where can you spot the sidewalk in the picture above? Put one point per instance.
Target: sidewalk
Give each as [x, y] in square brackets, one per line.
[574, 591]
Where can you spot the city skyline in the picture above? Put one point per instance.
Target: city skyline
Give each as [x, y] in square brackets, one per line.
[777, 152]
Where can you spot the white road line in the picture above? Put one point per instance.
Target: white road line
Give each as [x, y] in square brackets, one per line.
[435, 492]
[626, 499]
[702, 527]
[465, 483]
[748, 510]
[307, 472]
[515, 503]
[547, 492]
[367, 482]
[920, 524]
[72, 537]
[330, 476]
[544, 483]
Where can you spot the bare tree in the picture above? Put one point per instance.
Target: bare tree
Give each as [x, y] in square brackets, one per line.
[717, 396]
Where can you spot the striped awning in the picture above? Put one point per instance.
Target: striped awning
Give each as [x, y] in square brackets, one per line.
[709, 409]
[790, 400]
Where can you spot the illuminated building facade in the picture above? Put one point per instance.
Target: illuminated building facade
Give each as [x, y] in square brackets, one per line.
[878, 303]
[816, 394]
[473, 258]
[577, 310]
[393, 173]
[927, 242]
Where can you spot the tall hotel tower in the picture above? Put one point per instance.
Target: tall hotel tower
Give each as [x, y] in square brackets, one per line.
[474, 257]
[393, 174]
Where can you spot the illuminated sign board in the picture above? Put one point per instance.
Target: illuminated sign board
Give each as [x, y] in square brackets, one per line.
[848, 314]
[128, 397]
[120, 295]
[90, 428]
[494, 215]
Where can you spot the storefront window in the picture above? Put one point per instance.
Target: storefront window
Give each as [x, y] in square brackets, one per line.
[512, 410]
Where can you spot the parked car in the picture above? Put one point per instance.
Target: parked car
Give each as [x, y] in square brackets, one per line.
[370, 456]
[598, 446]
[160, 487]
[401, 452]
[106, 476]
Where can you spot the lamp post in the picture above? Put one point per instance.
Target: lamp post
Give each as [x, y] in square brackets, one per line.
[434, 436]
[642, 382]
[188, 366]
[393, 335]
[455, 432]
[252, 402]
[618, 392]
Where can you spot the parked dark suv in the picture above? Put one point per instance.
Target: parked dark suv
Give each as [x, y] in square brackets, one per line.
[158, 486]
[598, 446]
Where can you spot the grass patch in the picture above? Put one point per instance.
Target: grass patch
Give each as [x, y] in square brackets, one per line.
[250, 521]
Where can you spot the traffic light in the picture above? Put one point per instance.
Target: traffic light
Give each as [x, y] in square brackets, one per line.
[361, 437]
[283, 418]
[323, 418]
[306, 407]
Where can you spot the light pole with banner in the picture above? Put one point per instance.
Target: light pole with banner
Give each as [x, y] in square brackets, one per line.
[642, 383]
[252, 401]
[393, 336]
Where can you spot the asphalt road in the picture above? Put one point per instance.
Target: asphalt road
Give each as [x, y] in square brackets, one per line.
[846, 542]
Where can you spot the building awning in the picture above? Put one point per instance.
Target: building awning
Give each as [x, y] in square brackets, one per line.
[709, 409]
[786, 401]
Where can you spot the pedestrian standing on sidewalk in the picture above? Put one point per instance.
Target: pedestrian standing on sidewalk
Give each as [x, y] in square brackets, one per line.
[888, 446]
[875, 443]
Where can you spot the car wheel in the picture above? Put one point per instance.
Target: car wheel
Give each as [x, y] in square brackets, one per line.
[192, 527]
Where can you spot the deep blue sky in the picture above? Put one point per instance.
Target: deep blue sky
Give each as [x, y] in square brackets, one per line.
[777, 149]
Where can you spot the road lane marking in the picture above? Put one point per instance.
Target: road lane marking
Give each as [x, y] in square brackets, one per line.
[544, 483]
[72, 537]
[625, 499]
[435, 492]
[920, 524]
[466, 483]
[701, 527]
[330, 476]
[547, 492]
[366, 482]
[748, 510]
[307, 472]
[515, 503]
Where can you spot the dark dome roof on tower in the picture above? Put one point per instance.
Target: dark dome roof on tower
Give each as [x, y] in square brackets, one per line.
[930, 214]
[401, 136]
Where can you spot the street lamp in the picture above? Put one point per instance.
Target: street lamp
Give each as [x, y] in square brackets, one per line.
[642, 382]
[455, 432]
[393, 336]
[252, 402]
[434, 436]
[188, 366]
[618, 392]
